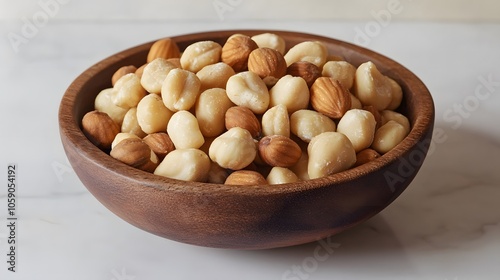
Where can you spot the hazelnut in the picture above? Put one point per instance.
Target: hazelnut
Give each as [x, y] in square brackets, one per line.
[100, 129]
[268, 63]
[279, 150]
[236, 50]
[239, 116]
[136, 153]
[245, 177]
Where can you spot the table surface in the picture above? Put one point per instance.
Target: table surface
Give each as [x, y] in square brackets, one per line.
[446, 225]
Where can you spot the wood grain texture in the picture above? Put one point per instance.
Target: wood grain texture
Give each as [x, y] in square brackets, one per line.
[245, 217]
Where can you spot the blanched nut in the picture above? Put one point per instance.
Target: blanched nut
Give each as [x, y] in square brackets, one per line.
[214, 76]
[355, 103]
[130, 123]
[184, 131]
[281, 175]
[210, 109]
[180, 90]
[310, 51]
[128, 91]
[308, 123]
[122, 136]
[275, 121]
[397, 95]
[388, 136]
[154, 74]
[121, 72]
[359, 126]
[247, 89]
[342, 71]
[329, 153]
[270, 40]
[300, 168]
[236, 50]
[200, 54]
[152, 115]
[195, 165]
[104, 103]
[290, 91]
[235, 149]
[388, 115]
[373, 88]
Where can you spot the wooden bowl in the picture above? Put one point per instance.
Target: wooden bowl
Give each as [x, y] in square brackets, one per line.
[245, 217]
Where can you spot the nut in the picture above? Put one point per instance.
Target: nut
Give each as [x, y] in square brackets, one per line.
[375, 113]
[160, 143]
[152, 115]
[121, 72]
[180, 90]
[245, 177]
[279, 150]
[306, 70]
[268, 63]
[329, 97]
[342, 71]
[128, 91]
[359, 126]
[387, 115]
[104, 103]
[371, 87]
[290, 91]
[184, 130]
[154, 74]
[236, 50]
[281, 175]
[247, 89]
[270, 40]
[210, 110]
[214, 76]
[130, 123]
[388, 136]
[365, 156]
[235, 149]
[122, 136]
[136, 153]
[310, 51]
[195, 165]
[200, 54]
[275, 121]
[243, 117]
[163, 48]
[329, 153]
[100, 129]
[308, 123]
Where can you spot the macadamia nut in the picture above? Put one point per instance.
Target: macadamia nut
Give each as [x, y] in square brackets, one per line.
[281, 175]
[388, 136]
[359, 126]
[329, 153]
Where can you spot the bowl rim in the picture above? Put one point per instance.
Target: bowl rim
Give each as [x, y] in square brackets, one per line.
[70, 126]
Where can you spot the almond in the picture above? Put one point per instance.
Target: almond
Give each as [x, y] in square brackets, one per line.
[236, 50]
[164, 48]
[365, 156]
[121, 72]
[239, 116]
[278, 150]
[160, 143]
[330, 98]
[100, 129]
[268, 63]
[136, 153]
[245, 177]
[306, 70]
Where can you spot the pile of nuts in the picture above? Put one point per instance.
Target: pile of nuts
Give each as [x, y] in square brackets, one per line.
[247, 112]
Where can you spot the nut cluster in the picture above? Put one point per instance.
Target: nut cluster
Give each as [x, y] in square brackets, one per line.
[250, 111]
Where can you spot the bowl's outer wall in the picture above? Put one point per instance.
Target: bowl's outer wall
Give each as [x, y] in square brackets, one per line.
[255, 217]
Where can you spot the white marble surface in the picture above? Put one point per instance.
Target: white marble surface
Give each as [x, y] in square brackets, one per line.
[445, 226]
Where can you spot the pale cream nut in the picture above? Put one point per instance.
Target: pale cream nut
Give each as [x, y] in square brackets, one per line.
[270, 40]
[281, 175]
[290, 91]
[200, 54]
[154, 74]
[248, 90]
[185, 164]
[180, 90]
[388, 136]
[128, 91]
[104, 103]
[388, 115]
[130, 123]
[359, 126]
[371, 87]
[214, 76]
[210, 110]
[184, 130]
[276, 121]
[342, 71]
[329, 153]
[308, 123]
[121, 136]
[235, 149]
[311, 51]
[152, 115]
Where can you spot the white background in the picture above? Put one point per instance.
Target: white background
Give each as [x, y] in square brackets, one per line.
[445, 226]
